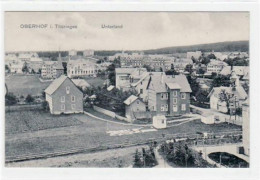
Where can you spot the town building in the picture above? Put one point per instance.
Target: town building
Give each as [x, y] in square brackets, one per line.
[82, 83]
[224, 98]
[88, 52]
[134, 105]
[215, 66]
[81, 68]
[35, 64]
[117, 55]
[63, 96]
[195, 54]
[16, 67]
[124, 78]
[240, 71]
[169, 95]
[26, 57]
[49, 70]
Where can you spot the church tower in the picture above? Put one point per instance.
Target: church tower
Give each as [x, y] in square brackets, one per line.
[59, 67]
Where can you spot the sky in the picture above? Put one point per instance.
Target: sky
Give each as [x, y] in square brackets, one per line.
[140, 31]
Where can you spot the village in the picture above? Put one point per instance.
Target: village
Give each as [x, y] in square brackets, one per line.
[64, 104]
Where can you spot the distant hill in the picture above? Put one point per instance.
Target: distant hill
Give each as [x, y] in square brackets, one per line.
[242, 46]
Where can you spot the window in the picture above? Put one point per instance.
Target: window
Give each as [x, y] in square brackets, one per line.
[166, 95]
[162, 107]
[175, 93]
[175, 108]
[73, 106]
[63, 107]
[161, 95]
[141, 91]
[72, 98]
[183, 107]
[62, 99]
[174, 100]
[166, 107]
[67, 89]
[183, 95]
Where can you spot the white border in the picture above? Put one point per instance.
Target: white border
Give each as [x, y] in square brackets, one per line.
[94, 173]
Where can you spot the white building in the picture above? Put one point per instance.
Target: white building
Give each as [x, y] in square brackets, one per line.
[215, 66]
[16, 67]
[26, 57]
[81, 67]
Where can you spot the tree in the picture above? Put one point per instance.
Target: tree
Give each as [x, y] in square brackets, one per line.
[137, 160]
[220, 80]
[225, 97]
[201, 71]
[10, 99]
[171, 71]
[188, 68]
[29, 99]
[193, 84]
[40, 71]
[25, 69]
[45, 106]
[211, 56]
[33, 72]
[202, 96]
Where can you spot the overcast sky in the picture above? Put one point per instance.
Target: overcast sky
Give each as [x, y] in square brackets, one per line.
[141, 30]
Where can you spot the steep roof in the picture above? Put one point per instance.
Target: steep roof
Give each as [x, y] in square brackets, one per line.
[239, 70]
[80, 82]
[158, 83]
[55, 84]
[130, 99]
[238, 90]
[144, 76]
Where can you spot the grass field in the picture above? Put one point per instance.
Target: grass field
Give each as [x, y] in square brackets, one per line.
[34, 120]
[25, 84]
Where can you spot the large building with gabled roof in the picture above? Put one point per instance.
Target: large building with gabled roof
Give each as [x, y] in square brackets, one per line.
[64, 97]
[169, 95]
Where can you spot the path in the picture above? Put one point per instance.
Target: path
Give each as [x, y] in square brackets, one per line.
[161, 162]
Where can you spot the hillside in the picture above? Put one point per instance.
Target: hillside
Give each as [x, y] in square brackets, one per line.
[242, 46]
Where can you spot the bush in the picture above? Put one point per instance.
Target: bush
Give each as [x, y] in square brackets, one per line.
[45, 106]
[10, 99]
[29, 99]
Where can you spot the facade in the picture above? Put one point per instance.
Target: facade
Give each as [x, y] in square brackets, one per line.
[63, 96]
[81, 67]
[35, 64]
[169, 95]
[133, 105]
[49, 70]
[88, 52]
[215, 66]
[16, 67]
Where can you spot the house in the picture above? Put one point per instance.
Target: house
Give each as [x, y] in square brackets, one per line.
[141, 85]
[81, 67]
[88, 52]
[63, 96]
[169, 95]
[239, 70]
[35, 64]
[133, 105]
[49, 70]
[26, 57]
[234, 94]
[16, 67]
[124, 78]
[82, 83]
[215, 66]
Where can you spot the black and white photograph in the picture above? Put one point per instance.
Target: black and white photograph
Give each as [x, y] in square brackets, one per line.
[151, 91]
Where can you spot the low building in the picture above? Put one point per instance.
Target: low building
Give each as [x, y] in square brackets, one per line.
[82, 83]
[133, 105]
[215, 66]
[221, 96]
[63, 96]
[169, 95]
[81, 68]
[124, 78]
[159, 122]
